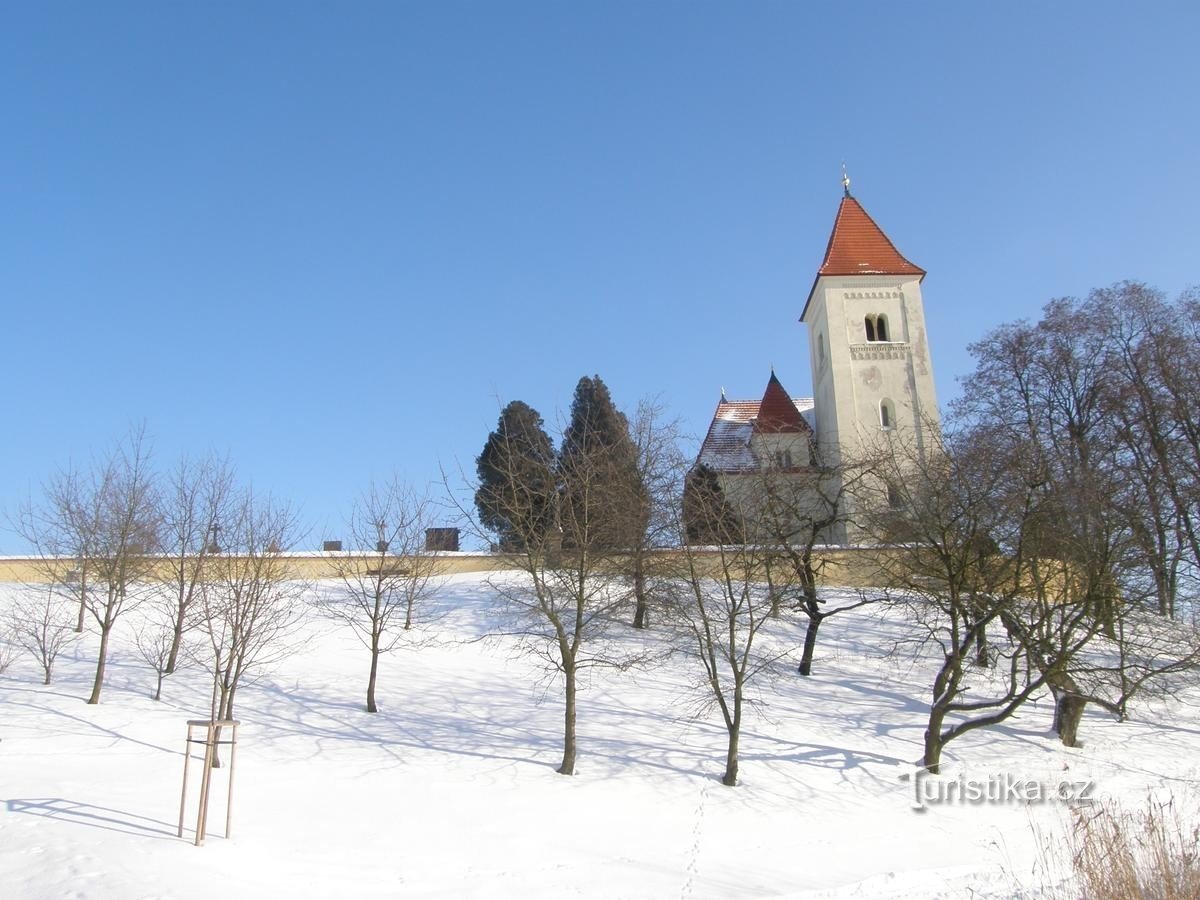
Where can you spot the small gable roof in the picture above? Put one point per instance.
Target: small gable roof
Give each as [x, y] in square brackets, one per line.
[727, 446]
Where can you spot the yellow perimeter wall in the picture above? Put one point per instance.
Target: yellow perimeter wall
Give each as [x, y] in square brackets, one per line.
[839, 566]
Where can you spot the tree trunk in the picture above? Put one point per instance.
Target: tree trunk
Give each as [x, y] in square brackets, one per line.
[735, 730]
[176, 642]
[105, 631]
[82, 606]
[932, 759]
[1068, 713]
[810, 643]
[568, 760]
[374, 670]
[48, 668]
[225, 711]
[158, 686]
[982, 658]
[729, 779]
[641, 612]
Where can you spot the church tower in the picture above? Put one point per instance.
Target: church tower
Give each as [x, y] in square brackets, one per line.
[871, 372]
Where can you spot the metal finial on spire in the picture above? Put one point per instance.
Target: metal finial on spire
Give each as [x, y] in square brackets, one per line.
[722, 392]
[845, 179]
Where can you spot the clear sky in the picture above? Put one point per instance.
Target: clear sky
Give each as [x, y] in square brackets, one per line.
[331, 239]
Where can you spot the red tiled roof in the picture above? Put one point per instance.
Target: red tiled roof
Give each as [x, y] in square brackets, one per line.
[726, 447]
[857, 246]
[777, 414]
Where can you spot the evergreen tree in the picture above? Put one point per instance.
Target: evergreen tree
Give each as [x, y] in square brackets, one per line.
[605, 504]
[516, 492]
[707, 516]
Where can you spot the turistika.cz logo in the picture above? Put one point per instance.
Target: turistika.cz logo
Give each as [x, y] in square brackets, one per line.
[996, 788]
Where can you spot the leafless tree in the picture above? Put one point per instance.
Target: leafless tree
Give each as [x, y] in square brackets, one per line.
[1094, 403]
[387, 574]
[250, 601]
[1150, 371]
[721, 604]
[96, 534]
[794, 512]
[8, 649]
[661, 466]
[195, 506]
[964, 560]
[41, 625]
[155, 640]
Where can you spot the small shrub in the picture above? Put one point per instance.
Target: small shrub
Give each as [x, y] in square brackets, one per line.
[8, 651]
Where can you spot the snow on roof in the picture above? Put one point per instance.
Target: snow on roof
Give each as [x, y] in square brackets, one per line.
[726, 447]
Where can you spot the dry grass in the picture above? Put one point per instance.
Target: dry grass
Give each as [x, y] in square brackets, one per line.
[1148, 854]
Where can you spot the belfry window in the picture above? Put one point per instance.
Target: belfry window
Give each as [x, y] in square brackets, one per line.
[877, 327]
[887, 415]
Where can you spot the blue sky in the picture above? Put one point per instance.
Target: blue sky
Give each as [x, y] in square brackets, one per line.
[332, 239]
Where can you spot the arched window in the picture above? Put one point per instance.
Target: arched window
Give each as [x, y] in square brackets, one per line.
[887, 415]
[870, 321]
[820, 350]
[895, 501]
[877, 327]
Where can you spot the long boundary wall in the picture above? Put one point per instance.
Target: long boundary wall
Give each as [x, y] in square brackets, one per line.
[836, 566]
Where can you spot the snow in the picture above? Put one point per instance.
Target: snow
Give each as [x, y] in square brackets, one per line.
[450, 790]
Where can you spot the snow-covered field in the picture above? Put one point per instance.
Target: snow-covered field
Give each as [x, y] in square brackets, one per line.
[450, 790]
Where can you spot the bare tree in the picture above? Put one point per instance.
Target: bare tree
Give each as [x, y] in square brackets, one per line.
[795, 511]
[1093, 403]
[660, 466]
[250, 602]
[41, 624]
[8, 650]
[965, 558]
[721, 604]
[155, 640]
[387, 574]
[96, 534]
[195, 506]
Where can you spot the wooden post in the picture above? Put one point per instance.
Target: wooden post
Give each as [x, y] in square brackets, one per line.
[205, 781]
[229, 794]
[212, 730]
[187, 756]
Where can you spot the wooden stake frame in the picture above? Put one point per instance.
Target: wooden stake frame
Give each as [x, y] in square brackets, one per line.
[211, 741]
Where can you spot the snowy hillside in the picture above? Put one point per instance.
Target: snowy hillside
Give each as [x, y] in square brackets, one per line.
[450, 790]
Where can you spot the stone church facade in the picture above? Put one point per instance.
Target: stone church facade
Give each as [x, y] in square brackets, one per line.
[872, 376]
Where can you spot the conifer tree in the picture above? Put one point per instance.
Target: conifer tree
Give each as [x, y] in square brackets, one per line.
[707, 516]
[613, 512]
[516, 492]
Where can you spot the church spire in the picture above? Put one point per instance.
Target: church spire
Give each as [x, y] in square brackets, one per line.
[857, 246]
[777, 412]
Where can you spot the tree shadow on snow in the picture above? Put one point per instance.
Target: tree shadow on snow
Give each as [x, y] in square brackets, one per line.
[93, 816]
